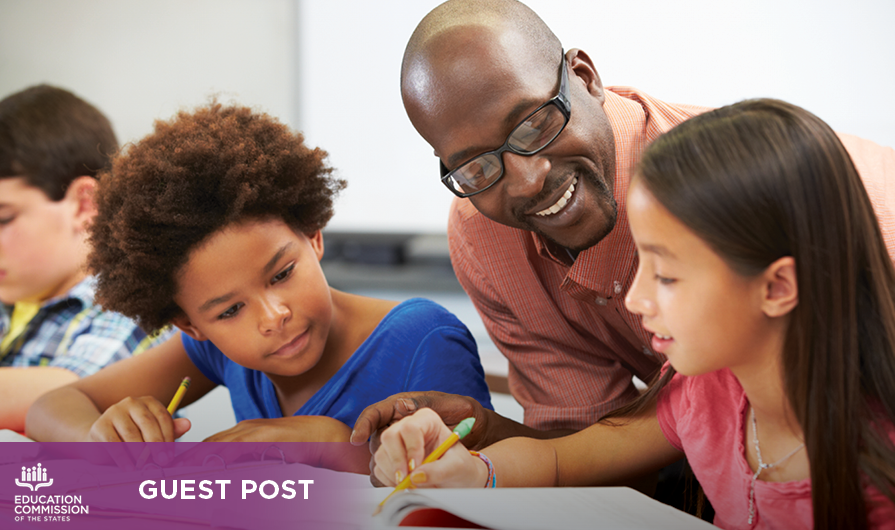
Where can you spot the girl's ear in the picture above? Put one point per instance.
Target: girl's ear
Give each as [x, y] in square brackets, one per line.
[780, 293]
[185, 325]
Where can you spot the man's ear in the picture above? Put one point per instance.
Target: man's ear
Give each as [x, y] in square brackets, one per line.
[583, 68]
[185, 325]
[316, 240]
[80, 194]
[780, 293]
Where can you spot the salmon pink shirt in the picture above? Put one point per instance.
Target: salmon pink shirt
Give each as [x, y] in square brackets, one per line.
[705, 417]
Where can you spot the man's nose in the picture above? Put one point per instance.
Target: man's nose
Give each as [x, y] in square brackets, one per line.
[525, 175]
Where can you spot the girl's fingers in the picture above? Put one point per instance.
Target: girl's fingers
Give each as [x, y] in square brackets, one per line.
[406, 444]
[456, 469]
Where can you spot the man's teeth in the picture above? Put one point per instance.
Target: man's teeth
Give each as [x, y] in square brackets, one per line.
[561, 203]
[663, 337]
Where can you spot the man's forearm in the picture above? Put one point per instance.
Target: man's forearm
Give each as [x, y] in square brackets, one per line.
[501, 428]
[20, 388]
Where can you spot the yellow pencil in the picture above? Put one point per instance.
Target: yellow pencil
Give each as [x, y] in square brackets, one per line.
[175, 402]
[460, 431]
[181, 390]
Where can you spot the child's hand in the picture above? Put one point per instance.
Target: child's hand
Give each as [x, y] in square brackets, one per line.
[142, 419]
[291, 429]
[406, 443]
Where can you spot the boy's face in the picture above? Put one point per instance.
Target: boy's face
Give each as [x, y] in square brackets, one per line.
[256, 290]
[43, 245]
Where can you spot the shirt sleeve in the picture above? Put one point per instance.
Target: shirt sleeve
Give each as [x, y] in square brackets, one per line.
[207, 358]
[105, 338]
[447, 360]
[559, 386]
[669, 408]
[876, 166]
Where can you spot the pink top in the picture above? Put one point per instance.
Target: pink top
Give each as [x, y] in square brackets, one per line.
[705, 417]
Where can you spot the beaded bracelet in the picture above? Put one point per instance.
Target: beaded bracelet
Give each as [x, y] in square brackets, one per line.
[491, 481]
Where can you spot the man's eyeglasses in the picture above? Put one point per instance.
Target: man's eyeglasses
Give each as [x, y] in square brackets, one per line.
[533, 134]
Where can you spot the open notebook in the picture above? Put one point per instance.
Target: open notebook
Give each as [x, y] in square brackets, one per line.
[532, 508]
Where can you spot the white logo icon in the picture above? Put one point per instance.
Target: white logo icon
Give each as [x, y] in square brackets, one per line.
[34, 477]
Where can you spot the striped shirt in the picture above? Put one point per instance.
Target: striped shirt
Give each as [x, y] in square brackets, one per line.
[72, 332]
[571, 344]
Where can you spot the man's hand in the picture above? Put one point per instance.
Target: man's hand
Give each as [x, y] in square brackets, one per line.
[451, 407]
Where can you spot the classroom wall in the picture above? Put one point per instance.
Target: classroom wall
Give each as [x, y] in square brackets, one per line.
[330, 67]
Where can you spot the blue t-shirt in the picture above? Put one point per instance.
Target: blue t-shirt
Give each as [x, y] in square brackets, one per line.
[418, 345]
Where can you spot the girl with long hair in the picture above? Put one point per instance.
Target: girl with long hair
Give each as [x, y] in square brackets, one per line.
[764, 278]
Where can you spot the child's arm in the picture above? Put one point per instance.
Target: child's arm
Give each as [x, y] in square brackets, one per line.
[125, 401]
[341, 456]
[599, 455]
[20, 388]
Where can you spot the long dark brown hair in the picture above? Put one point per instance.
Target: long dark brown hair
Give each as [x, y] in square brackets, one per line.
[763, 179]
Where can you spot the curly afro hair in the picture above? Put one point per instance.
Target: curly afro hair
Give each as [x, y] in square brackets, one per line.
[193, 176]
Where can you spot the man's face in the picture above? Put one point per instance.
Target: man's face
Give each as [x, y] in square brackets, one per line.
[466, 102]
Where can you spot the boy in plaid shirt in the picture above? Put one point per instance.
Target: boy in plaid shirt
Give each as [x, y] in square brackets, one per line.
[52, 145]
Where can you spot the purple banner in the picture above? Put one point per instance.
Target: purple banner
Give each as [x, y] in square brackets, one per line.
[180, 485]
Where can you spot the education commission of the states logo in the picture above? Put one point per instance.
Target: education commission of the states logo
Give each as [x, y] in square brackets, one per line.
[44, 507]
[34, 477]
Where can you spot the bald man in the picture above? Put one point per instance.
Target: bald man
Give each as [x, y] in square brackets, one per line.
[540, 154]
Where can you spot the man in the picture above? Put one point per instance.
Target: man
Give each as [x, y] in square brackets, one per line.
[541, 243]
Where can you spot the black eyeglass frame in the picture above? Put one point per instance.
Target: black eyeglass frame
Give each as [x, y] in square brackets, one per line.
[560, 101]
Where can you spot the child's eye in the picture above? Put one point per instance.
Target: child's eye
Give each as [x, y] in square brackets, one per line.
[231, 312]
[665, 281]
[7, 220]
[283, 275]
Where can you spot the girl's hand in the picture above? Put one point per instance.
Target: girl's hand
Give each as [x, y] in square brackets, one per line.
[405, 445]
[142, 419]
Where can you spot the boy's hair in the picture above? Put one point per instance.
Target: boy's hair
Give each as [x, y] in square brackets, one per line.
[49, 136]
[193, 176]
[763, 179]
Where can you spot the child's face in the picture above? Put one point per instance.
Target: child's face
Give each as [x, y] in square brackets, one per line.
[256, 290]
[42, 242]
[702, 314]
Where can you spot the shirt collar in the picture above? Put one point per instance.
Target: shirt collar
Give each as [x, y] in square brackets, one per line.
[611, 262]
[82, 294]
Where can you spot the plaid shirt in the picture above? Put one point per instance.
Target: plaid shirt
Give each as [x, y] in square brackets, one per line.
[72, 332]
[571, 343]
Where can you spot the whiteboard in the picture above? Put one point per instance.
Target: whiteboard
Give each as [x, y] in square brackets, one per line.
[836, 60]
[331, 68]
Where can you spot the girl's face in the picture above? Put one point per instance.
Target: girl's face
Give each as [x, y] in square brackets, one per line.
[702, 314]
[256, 290]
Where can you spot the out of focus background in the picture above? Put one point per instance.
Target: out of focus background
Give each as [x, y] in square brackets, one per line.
[330, 69]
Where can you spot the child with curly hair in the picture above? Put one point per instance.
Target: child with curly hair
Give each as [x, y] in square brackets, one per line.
[213, 223]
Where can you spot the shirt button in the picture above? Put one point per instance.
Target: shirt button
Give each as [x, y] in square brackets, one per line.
[647, 351]
[599, 300]
[617, 285]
